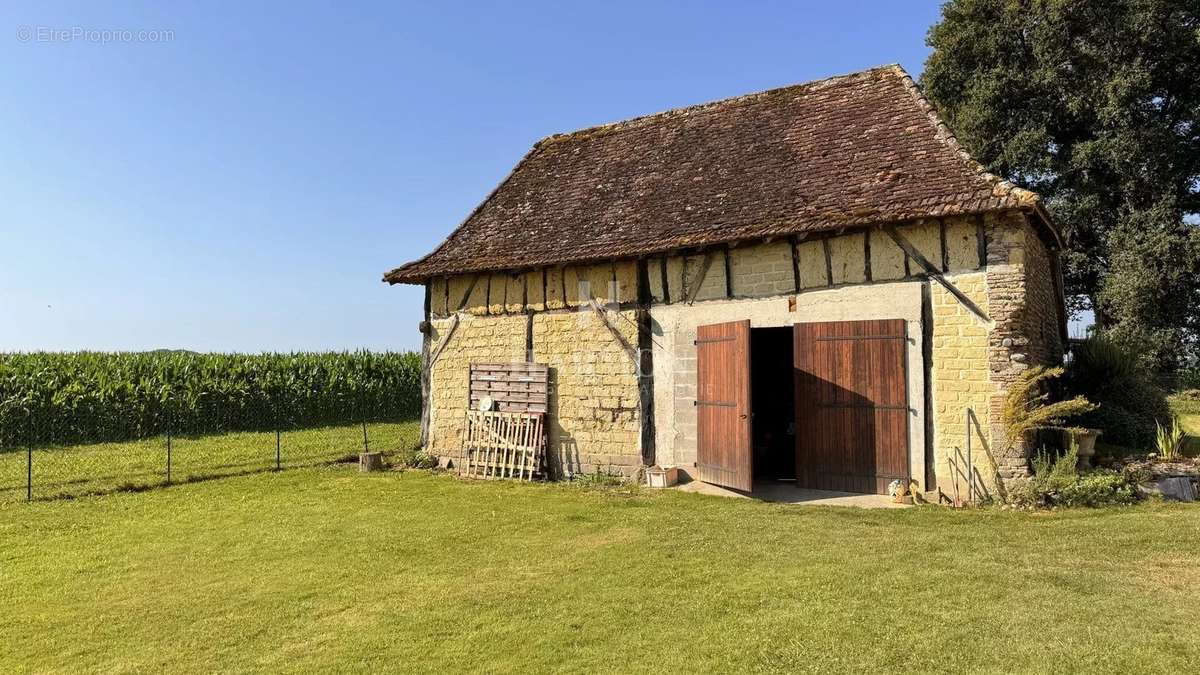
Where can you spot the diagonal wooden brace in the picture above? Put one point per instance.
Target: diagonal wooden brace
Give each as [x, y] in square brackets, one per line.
[693, 289]
[630, 350]
[933, 272]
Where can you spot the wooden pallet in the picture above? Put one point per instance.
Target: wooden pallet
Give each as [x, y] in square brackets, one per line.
[504, 445]
[513, 387]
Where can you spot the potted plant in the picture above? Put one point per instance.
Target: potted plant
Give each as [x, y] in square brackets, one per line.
[1085, 442]
[1028, 411]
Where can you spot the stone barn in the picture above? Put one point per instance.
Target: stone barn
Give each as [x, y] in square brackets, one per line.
[813, 284]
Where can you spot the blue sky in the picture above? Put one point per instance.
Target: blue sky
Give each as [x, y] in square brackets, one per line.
[243, 185]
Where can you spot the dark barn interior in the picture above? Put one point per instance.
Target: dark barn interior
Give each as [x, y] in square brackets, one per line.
[773, 403]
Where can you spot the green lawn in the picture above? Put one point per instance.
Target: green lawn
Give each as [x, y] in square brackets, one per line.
[106, 467]
[325, 569]
[1188, 411]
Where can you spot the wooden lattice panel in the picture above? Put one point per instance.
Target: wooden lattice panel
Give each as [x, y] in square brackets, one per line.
[504, 445]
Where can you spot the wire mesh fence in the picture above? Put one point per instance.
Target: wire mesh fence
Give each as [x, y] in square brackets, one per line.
[52, 462]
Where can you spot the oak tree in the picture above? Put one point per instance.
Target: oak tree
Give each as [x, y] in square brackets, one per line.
[1095, 104]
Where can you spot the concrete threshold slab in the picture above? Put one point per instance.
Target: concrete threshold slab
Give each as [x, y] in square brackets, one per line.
[788, 493]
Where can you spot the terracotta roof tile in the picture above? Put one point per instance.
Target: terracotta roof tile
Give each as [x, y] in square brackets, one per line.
[846, 151]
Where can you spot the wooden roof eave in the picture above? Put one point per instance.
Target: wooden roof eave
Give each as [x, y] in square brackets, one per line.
[1046, 229]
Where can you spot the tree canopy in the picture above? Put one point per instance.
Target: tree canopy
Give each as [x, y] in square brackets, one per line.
[1095, 104]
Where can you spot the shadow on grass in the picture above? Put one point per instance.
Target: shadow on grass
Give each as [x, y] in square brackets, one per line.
[67, 472]
[215, 473]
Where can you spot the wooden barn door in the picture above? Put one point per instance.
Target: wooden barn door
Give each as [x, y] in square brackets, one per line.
[723, 448]
[851, 405]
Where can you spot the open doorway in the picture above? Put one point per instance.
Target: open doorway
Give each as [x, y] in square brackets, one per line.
[822, 405]
[773, 403]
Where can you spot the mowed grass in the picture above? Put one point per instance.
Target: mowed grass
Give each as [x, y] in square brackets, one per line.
[325, 569]
[107, 467]
[1188, 412]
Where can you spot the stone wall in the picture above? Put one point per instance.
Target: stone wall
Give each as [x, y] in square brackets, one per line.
[477, 339]
[596, 421]
[975, 362]
[859, 275]
[1024, 301]
[1042, 325]
[594, 399]
[762, 270]
[961, 387]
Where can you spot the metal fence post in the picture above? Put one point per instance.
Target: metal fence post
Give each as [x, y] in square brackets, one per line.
[29, 460]
[168, 416]
[366, 444]
[277, 422]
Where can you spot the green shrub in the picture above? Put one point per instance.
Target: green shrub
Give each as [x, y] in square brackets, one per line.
[1053, 473]
[1186, 402]
[419, 459]
[1130, 404]
[1190, 379]
[1095, 489]
[96, 397]
[1027, 405]
[1057, 482]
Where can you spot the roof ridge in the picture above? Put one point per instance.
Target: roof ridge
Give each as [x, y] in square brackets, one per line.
[550, 208]
[634, 122]
[1000, 186]
[640, 120]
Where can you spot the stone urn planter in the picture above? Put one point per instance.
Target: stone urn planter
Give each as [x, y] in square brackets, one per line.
[1086, 440]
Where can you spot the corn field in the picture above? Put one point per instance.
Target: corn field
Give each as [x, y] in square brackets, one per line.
[94, 397]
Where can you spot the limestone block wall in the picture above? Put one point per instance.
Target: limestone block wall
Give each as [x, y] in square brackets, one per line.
[546, 314]
[975, 362]
[477, 339]
[595, 423]
[961, 385]
[762, 270]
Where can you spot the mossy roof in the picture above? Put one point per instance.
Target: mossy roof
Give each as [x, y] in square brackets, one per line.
[846, 151]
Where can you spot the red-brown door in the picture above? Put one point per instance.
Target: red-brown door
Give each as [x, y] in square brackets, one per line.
[851, 405]
[723, 452]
